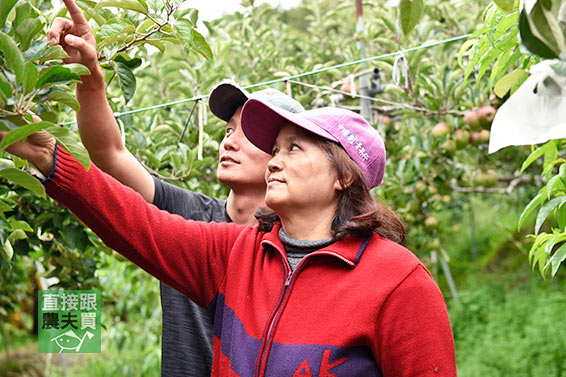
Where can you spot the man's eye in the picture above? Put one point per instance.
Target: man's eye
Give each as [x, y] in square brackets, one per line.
[274, 151]
[294, 147]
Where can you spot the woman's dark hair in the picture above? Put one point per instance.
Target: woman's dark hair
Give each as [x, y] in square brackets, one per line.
[357, 214]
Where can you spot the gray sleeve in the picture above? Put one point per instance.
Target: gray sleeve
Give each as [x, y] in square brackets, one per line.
[187, 328]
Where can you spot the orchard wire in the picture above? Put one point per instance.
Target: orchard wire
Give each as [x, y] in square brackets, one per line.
[292, 77]
[378, 100]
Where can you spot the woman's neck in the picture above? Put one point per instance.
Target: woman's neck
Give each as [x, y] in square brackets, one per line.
[309, 224]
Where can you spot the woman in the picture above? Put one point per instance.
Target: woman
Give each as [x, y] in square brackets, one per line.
[320, 288]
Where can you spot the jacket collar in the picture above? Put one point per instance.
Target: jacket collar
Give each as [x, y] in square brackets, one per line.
[349, 249]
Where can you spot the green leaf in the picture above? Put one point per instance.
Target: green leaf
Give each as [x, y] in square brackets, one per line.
[464, 48]
[506, 5]
[152, 157]
[549, 160]
[22, 13]
[78, 69]
[24, 179]
[137, 6]
[19, 224]
[554, 184]
[30, 77]
[546, 209]
[35, 51]
[127, 80]
[5, 8]
[49, 116]
[557, 258]
[56, 75]
[201, 46]
[27, 30]
[14, 58]
[21, 133]
[508, 81]
[53, 53]
[185, 29]
[7, 251]
[142, 28]
[561, 217]
[4, 207]
[534, 156]
[131, 63]
[5, 86]
[557, 238]
[64, 98]
[410, 14]
[158, 44]
[87, 10]
[72, 143]
[5, 163]
[17, 234]
[531, 42]
[111, 29]
[529, 208]
[545, 26]
[562, 172]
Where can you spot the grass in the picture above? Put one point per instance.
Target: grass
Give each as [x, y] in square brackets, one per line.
[510, 327]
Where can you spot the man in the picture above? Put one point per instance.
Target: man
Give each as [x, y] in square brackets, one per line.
[187, 328]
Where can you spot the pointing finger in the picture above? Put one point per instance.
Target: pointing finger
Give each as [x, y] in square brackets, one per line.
[59, 28]
[75, 12]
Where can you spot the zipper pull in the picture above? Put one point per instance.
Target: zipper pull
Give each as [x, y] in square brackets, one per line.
[288, 280]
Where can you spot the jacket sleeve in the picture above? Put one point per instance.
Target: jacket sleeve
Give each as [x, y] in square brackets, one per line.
[188, 255]
[413, 333]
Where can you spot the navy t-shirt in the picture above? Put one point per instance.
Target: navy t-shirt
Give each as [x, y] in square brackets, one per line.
[186, 348]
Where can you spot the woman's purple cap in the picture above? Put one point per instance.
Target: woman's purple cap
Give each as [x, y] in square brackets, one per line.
[262, 122]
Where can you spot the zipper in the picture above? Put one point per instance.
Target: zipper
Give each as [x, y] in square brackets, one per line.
[267, 336]
[274, 314]
[266, 346]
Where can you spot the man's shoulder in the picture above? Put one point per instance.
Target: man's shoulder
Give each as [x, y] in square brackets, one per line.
[189, 204]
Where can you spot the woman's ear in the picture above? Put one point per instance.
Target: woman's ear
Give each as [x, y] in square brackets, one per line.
[339, 186]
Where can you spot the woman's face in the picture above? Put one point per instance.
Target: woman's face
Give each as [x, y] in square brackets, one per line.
[299, 175]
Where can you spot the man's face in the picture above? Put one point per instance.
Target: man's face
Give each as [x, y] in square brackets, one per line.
[240, 162]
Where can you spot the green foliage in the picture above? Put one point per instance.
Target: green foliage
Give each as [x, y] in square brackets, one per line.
[496, 45]
[548, 247]
[34, 79]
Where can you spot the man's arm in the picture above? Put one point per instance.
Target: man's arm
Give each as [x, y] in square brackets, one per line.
[97, 126]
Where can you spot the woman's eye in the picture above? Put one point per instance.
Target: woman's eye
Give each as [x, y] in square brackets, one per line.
[294, 147]
[274, 152]
[229, 131]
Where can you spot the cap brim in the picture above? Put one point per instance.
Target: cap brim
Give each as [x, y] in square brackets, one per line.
[225, 98]
[262, 122]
